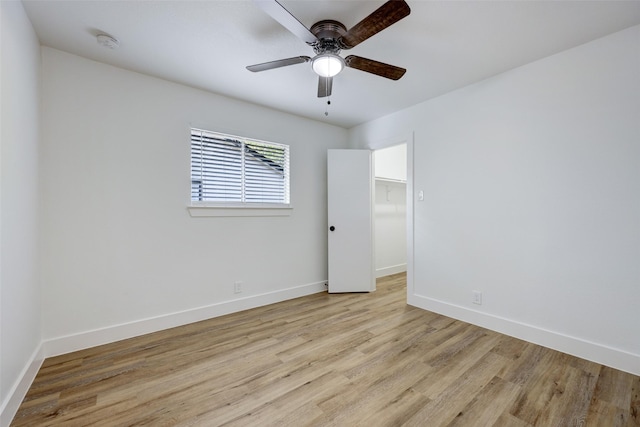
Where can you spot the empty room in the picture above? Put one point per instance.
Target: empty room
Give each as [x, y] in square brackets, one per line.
[320, 213]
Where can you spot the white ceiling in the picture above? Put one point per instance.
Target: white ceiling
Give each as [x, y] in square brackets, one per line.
[444, 45]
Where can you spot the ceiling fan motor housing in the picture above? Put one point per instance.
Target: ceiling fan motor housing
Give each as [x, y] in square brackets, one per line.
[328, 32]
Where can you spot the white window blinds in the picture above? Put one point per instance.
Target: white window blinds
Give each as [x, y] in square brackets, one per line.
[233, 170]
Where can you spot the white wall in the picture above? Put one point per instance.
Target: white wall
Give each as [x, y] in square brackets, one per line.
[391, 162]
[20, 325]
[121, 254]
[532, 196]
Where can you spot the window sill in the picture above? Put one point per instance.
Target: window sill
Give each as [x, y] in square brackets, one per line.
[198, 211]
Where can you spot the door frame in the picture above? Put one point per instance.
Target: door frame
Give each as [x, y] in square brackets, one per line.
[407, 139]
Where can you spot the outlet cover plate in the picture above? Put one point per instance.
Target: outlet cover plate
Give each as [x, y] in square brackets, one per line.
[237, 287]
[477, 297]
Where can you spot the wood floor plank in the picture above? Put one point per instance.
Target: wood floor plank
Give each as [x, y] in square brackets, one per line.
[571, 399]
[543, 383]
[282, 406]
[613, 387]
[603, 413]
[455, 367]
[634, 409]
[397, 411]
[328, 360]
[508, 420]
[372, 390]
[445, 406]
[498, 394]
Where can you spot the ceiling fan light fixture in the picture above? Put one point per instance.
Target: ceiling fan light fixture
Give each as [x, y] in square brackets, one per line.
[327, 64]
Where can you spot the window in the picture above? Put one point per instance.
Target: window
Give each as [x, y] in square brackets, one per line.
[234, 171]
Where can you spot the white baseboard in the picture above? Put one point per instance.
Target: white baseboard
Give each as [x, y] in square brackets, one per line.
[388, 271]
[584, 349]
[15, 396]
[83, 340]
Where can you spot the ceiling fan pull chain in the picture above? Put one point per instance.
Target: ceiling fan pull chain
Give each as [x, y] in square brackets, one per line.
[326, 111]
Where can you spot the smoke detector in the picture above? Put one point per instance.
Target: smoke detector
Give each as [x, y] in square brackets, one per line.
[107, 41]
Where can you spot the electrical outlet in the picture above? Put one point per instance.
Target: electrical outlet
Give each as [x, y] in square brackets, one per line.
[237, 287]
[477, 297]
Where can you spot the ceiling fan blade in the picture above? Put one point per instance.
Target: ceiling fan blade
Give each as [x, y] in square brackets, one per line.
[385, 16]
[374, 67]
[286, 19]
[325, 84]
[277, 64]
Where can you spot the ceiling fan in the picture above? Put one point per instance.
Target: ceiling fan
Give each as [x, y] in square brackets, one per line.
[329, 37]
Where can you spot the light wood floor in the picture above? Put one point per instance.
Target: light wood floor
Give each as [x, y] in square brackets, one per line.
[342, 360]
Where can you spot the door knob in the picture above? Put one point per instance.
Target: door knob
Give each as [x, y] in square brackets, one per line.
[332, 228]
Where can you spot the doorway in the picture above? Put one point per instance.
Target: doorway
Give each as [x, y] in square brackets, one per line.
[390, 210]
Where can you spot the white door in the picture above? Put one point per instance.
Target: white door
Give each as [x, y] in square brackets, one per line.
[350, 203]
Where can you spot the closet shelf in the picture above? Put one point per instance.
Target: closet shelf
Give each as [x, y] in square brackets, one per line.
[397, 181]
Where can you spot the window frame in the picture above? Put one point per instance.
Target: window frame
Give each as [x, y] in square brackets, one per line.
[207, 208]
